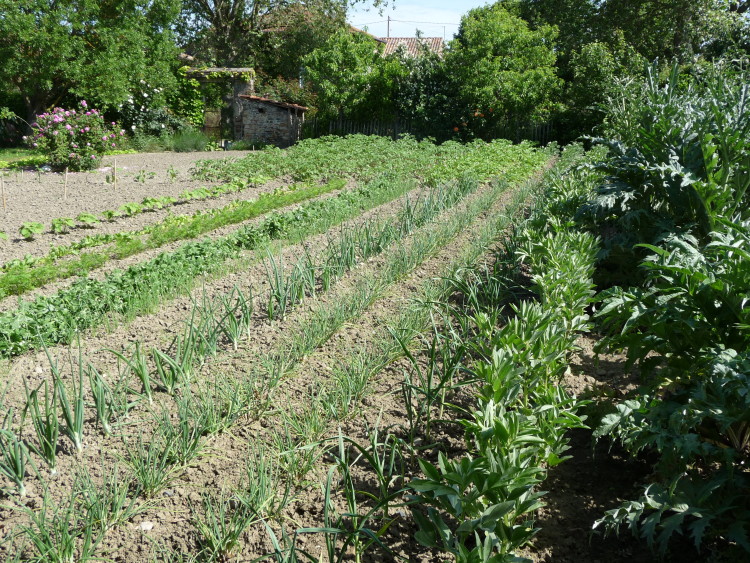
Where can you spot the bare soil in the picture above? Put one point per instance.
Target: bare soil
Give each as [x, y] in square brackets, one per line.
[579, 489]
[40, 197]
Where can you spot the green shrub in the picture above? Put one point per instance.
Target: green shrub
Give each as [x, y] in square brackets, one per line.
[190, 140]
[141, 142]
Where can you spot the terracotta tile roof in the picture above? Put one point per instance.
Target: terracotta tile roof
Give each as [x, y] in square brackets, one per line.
[412, 44]
[273, 102]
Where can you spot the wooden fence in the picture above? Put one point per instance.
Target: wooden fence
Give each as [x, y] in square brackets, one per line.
[341, 126]
[541, 133]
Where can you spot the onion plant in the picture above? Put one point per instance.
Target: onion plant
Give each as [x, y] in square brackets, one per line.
[61, 533]
[45, 422]
[221, 524]
[152, 464]
[235, 315]
[14, 458]
[104, 401]
[72, 411]
[295, 457]
[353, 529]
[172, 371]
[264, 489]
[114, 503]
[138, 365]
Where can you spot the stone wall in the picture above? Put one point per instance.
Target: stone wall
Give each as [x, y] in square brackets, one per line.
[267, 121]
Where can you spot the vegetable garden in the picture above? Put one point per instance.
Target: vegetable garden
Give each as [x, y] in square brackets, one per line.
[366, 354]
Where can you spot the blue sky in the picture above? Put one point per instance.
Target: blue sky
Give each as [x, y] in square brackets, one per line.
[435, 17]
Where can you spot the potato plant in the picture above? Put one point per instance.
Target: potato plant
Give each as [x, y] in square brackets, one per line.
[29, 229]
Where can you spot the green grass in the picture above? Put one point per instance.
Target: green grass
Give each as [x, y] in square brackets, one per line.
[15, 153]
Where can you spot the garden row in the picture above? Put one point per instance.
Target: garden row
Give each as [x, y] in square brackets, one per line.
[20, 275]
[189, 408]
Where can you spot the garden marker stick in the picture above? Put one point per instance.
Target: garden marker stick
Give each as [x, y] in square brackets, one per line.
[114, 173]
[2, 189]
[65, 193]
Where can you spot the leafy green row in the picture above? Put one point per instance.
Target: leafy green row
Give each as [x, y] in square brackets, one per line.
[62, 225]
[479, 507]
[87, 302]
[24, 275]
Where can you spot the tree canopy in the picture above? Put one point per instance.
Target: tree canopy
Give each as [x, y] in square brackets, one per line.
[352, 77]
[503, 70]
[229, 32]
[654, 28]
[93, 49]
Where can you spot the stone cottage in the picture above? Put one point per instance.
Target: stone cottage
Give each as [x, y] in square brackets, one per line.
[267, 121]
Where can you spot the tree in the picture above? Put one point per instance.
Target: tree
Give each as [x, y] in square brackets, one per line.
[93, 49]
[504, 71]
[352, 77]
[292, 32]
[575, 21]
[655, 28]
[426, 94]
[227, 32]
[667, 29]
[596, 70]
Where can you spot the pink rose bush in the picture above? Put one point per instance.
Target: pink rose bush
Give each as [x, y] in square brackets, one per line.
[72, 139]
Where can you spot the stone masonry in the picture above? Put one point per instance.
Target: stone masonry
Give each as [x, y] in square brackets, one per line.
[267, 121]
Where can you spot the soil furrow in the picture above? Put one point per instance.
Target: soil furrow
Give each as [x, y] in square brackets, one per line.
[29, 199]
[11, 302]
[212, 468]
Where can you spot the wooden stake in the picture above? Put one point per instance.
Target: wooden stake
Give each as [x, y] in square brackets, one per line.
[66, 184]
[2, 189]
[114, 172]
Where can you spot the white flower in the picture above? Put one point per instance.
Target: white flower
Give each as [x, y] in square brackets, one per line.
[162, 126]
[132, 127]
